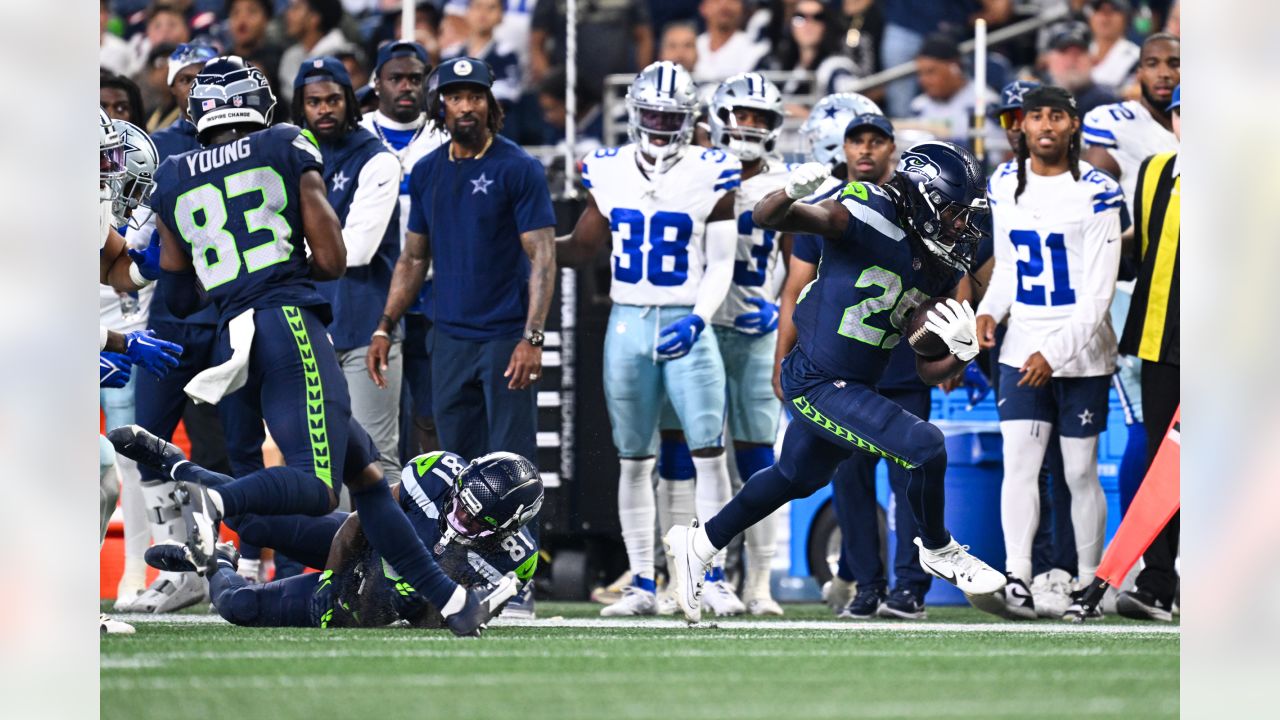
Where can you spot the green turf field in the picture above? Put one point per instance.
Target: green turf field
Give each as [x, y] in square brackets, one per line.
[570, 664]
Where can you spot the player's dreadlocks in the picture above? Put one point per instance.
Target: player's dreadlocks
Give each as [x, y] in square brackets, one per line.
[435, 108]
[1052, 97]
[349, 122]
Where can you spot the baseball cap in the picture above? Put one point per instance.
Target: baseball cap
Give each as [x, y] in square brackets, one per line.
[322, 69]
[879, 122]
[1121, 5]
[1011, 95]
[463, 70]
[1050, 96]
[188, 54]
[941, 46]
[1177, 99]
[1075, 34]
[400, 49]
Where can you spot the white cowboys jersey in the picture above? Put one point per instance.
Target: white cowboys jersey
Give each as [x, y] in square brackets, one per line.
[423, 142]
[659, 223]
[757, 267]
[1057, 251]
[1127, 130]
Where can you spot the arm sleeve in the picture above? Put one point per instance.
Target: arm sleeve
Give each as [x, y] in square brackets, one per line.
[1101, 254]
[417, 201]
[722, 242]
[532, 198]
[1004, 276]
[377, 192]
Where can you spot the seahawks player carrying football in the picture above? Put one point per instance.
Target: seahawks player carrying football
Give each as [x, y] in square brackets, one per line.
[669, 210]
[846, 329]
[244, 206]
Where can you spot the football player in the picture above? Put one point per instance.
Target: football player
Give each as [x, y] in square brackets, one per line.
[473, 516]
[668, 208]
[885, 250]
[248, 208]
[1057, 229]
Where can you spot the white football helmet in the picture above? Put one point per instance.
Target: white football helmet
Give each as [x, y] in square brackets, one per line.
[745, 90]
[824, 128]
[141, 161]
[111, 166]
[661, 105]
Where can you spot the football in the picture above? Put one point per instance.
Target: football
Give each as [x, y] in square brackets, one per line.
[926, 343]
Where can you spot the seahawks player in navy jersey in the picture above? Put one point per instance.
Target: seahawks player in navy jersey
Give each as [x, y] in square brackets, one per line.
[885, 251]
[243, 207]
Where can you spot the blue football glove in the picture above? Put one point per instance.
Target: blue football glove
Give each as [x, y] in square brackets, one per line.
[975, 384]
[678, 338]
[762, 321]
[114, 369]
[148, 259]
[156, 355]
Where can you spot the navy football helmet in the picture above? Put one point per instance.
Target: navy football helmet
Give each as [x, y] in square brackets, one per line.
[229, 91]
[940, 192]
[493, 497]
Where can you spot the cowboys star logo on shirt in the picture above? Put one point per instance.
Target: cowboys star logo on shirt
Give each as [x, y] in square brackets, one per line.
[919, 163]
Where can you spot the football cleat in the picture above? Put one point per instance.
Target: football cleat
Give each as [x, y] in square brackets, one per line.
[1012, 602]
[1138, 604]
[139, 445]
[612, 593]
[634, 602]
[481, 606]
[719, 598]
[903, 604]
[863, 606]
[666, 602]
[521, 607]
[1076, 612]
[202, 519]
[763, 606]
[170, 592]
[107, 626]
[837, 592]
[957, 566]
[172, 556]
[1051, 592]
[687, 570]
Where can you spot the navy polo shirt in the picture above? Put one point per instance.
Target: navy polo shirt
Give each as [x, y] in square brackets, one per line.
[474, 211]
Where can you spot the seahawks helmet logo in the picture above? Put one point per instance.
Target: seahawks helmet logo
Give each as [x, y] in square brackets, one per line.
[914, 162]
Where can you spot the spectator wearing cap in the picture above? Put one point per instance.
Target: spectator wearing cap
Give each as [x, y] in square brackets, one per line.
[248, 24]
[481, 212]
[1114, 55]
[399, 81]
[179, 135]
[363, 182]
[483, 18]
[947, 95]
[1069, 65]
[313, 25]
[1009, 111]
[724, 49]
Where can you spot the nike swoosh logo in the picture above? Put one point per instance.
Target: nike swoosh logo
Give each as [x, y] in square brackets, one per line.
[1112, 240]
[951, 577]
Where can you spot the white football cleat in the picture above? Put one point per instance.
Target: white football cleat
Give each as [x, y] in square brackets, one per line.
[1051, 592]
[764, 606]
[686, 569]
[954, 564]
[721, 600]
[837, 592]
[666, 602]
[612, 592]
[634, 602]
[1011, 602]
[107, 626]
[170, 592]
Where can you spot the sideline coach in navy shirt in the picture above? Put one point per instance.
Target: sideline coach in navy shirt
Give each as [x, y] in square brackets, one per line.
[480, 209]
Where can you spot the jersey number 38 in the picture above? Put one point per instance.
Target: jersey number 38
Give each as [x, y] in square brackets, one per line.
[666, 262]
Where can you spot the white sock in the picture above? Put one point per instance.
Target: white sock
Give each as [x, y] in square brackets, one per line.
[1088, 503]
[675, 503]
[637, 513]
[702, 546]
[762, 545]
[217, 501]
[712, 492]
[1025, 442]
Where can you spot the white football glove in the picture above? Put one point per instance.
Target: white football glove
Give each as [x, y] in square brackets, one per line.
[806, 178]
[955, 324]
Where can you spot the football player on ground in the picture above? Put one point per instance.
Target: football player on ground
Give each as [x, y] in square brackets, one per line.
[1057, 230]
[472, 515]
[885, 250]
[248, 207]
[669, 210]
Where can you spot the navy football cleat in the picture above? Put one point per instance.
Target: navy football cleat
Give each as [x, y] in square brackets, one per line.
[864, 605]
[903, 605]
[144, 448]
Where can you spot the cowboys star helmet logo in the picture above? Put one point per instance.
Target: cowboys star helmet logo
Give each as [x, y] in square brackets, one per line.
[921, 164]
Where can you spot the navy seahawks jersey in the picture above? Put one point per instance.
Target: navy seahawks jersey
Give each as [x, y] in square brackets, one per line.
[424, 496]
[236, 208]
[851, 317]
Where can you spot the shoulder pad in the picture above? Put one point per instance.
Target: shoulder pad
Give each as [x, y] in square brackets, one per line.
[871, 207]
[1104, 190]
[1098, 126]
[445, 465]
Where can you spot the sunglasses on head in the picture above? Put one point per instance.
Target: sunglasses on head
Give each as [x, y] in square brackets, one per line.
[1009, 119]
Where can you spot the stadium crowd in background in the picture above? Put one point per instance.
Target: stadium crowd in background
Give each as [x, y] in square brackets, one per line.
[486, 77]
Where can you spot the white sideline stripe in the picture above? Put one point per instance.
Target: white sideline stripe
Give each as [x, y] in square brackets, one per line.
[548, 398]
[722, 628]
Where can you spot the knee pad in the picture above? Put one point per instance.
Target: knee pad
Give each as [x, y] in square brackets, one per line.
[239, 606]
[926, 443]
